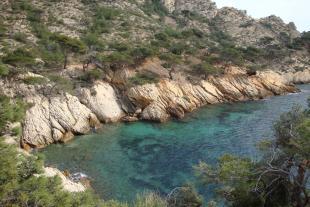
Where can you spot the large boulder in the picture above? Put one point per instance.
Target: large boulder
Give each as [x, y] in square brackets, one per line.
[56, 119]
[103, 101]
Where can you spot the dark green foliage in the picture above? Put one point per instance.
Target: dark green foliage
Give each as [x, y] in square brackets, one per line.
[69, 45]
[252, 54]
[231, 55]
[302, 42]
[93, 42]
[279, 179]
[184, 196]
[102, 19]
[140, 53]
[205, 69]
[92, 75]
[144, 78]
[119, 46]
[171, 58]
[106, 13]
[20, 37]
[11, 111]
[117, 59]
[173, 33]
[3, 29]
[161, 36]
[18, 186]
[20, 57]
[178, 48]
[154, 7]
[4, 70]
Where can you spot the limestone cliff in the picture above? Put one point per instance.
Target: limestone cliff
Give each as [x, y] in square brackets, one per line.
[59, 118]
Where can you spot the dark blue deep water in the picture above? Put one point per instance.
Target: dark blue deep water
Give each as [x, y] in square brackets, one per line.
[125, 159]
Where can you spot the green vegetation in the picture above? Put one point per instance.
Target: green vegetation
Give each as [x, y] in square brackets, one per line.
[144, 78]
[20, 37]
[11, 111]
[4, 70]
[92, 75]
[21, 57]
[19, 186]
[278, 179]
[61, 83]
[102, 20]
[68, 45]
[302, 42]
[154, 7]
[205, 69]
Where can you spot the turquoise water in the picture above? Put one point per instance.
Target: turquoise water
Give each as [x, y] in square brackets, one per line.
[124, 159]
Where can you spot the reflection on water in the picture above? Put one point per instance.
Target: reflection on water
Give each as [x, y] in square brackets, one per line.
[123, 159]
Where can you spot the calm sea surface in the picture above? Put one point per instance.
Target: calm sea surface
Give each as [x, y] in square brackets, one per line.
[125, 159]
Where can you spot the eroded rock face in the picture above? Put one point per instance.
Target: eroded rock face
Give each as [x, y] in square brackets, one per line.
[102, 100]
[56, 119]
[169, 98]
[59, 118]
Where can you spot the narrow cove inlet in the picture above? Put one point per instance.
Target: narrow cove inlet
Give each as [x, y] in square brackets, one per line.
[124, 159]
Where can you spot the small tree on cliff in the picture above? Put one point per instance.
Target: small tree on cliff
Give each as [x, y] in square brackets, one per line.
[69, 45]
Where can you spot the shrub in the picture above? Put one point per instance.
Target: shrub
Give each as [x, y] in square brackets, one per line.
[154, 7]
[162, 36]
[4, 70]
[20, 37]
[93, 42]
[144, 78]
[177, 48]
[251, 53]
[106, 13]
[198, 33]
[117, 59]
[205, 69]
[20, 57]
[11, 111]
[3, 29]
[35, 80]
[184, 196]
[149, 200]
[17, 131]
[171, 58]
[232, 55]
[119, 46]
[61, 83]
[141, 53]
[92, 75]
[173, 33]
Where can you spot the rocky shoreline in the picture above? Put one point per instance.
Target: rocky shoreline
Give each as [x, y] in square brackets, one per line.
[59, 118]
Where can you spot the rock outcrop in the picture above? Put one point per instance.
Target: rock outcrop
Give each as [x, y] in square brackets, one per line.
[102, 100]
[59, 118]
[67, 184]
[56, 119]
[170, 98]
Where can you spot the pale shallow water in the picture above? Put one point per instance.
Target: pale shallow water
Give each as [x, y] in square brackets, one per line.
[125, 159]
